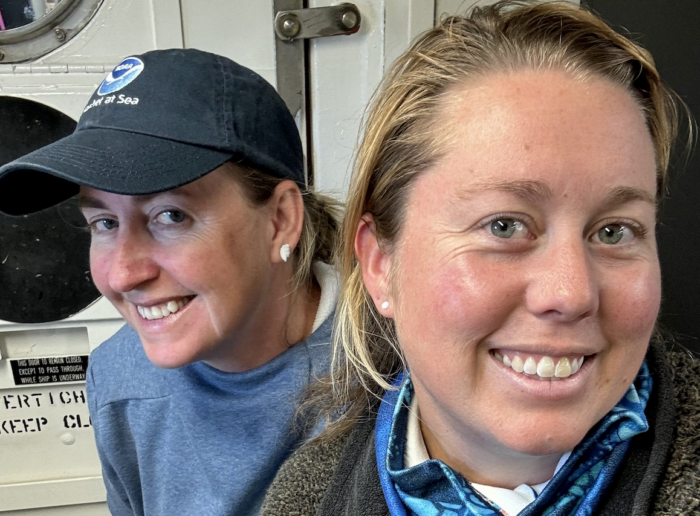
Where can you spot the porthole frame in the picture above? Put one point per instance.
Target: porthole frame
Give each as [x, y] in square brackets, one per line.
[45, 35]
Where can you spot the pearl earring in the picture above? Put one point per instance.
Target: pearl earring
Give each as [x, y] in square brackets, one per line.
[285, 251]
[385, 305]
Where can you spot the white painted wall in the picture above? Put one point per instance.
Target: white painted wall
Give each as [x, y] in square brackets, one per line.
[241, 30]
[344, 74]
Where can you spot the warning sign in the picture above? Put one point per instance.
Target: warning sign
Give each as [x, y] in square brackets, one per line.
[33, 371]
[33, 409]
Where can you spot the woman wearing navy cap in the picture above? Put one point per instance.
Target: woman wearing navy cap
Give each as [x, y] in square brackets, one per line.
[190, 174]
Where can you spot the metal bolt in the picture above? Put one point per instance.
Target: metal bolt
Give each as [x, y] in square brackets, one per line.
[60, 34]
[290, 26]
[349, 19]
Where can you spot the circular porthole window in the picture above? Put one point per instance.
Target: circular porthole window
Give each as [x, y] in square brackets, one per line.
[33, 28]
[44, 257]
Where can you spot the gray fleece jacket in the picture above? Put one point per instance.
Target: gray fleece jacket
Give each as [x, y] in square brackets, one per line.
[660, 475]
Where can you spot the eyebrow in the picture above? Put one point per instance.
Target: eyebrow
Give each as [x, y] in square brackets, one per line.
[528, 190]
[90, 202]
[537, 192]
[627, 194]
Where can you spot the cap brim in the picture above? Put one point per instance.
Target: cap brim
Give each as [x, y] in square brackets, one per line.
[106, 159]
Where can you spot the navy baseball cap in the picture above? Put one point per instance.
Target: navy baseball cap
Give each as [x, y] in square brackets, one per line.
[159, 121]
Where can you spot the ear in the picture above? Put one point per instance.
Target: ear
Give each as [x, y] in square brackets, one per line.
[375, 265]
[287, 215]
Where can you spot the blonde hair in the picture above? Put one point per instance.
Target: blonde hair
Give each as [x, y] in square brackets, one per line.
[319, 234]
[400, 141]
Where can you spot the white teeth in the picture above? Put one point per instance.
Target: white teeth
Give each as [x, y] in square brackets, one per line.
[518, 364]
[545, 368]
[574, 366]
[158, 312]
[563, 369]
[530, 366]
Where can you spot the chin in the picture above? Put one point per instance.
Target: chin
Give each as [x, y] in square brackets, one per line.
[165, 358]
[536, 441]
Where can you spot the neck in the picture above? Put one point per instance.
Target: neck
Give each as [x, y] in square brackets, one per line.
[302, 313]
[283, 318]
[476, 461]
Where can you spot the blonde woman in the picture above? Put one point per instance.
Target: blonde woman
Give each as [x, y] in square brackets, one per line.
[500, 286]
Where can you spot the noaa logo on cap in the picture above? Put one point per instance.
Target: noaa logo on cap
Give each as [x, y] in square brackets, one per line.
[123, 74]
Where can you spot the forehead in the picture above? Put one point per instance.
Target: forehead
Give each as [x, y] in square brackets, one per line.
[205, 190]
[545, 125]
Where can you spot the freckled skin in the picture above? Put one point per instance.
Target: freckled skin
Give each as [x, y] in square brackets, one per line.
[553, 288]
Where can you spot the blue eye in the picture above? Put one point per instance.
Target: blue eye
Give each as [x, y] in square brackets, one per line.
[506, 228]
[612, 234]
[169, 217]
[104, 225]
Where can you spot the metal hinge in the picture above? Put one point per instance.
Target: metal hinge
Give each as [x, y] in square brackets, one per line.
[318, 22]
[294, 25]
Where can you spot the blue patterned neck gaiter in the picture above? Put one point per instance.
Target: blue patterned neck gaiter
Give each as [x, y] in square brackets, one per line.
[434, 489]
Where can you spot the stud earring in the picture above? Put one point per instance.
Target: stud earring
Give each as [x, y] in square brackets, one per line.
[385, 305]
[285, 251]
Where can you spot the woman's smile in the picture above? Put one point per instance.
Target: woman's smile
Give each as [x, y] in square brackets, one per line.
[160, 310]
[541, 367]
[531, 380]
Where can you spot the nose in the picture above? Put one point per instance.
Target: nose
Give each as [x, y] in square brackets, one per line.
[131, 262]
[562, 284]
